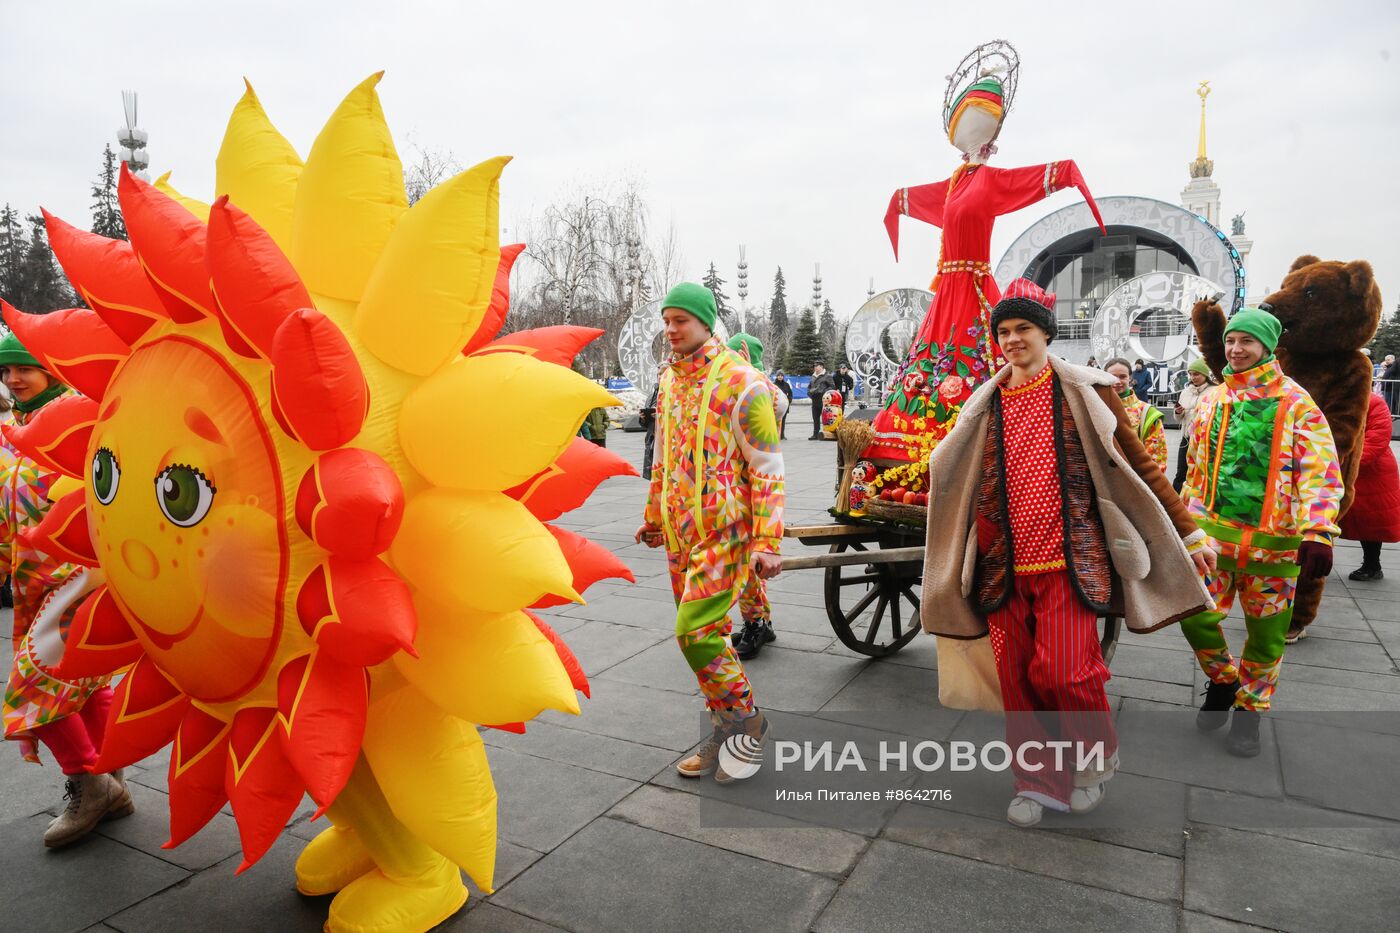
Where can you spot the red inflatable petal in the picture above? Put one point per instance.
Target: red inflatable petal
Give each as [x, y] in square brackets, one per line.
[169, 242]
[360, 611]
[260, 781]
[566, 657]
[568, 482]
[323, 704]
[74, 344]
[145, 714]
[57, 441]
[196, 775]
[350, 503]
[317, 384]
[516, 727]
[589, 562]
[558, 344]
[500, 300]
[255, 286]
[63, 532]
[100, 640]
[109, 277]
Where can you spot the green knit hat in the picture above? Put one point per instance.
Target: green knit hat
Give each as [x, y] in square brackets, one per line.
[693, 299]
[1199, 365]
[13, 353]
[1259, 324]
[742, 339]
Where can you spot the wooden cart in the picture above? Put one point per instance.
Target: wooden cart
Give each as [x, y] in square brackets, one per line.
[874, 575]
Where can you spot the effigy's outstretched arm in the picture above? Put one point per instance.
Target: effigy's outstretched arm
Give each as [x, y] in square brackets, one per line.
[1015, 188]
[922, 202]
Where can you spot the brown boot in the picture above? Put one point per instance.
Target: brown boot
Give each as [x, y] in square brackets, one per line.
[91, 798]
[705, 759]
[744, 753]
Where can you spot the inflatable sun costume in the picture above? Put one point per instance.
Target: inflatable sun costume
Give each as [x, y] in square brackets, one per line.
[310, 492]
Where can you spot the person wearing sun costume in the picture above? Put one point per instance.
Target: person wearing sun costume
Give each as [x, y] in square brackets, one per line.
[1145, 419]
[716, 504]
[67, 716]
[954, 350]
[319, 552]
[1265, 484]
[754, 607]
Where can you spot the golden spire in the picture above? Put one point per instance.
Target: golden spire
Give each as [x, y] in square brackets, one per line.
[1202, 167]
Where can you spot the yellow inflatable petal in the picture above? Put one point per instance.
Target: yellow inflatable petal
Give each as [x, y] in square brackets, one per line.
[433, 282]
[479, 550]
[258, 169]
[433, 771]
[349, 197]
[457, 443]
[485, 667]
[197, 208]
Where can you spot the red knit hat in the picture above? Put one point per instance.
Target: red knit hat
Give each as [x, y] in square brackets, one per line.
[1028, 301]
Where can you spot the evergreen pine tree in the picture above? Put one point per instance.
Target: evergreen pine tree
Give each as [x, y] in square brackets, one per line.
[833, 353]
[1387, 339]
[714, 283]
[778, 318]
[40, 284]
[106, 212]
[805, 349]
[11, 254]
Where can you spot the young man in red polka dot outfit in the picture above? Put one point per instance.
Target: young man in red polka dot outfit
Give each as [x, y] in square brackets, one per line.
[1072, 519]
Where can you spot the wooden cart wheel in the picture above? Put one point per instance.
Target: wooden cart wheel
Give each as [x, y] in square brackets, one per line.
[873, 608]
[1112, 628]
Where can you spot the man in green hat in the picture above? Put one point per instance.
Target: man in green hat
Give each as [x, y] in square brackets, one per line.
[1265, 484]
[716, 504]
[1197, 381]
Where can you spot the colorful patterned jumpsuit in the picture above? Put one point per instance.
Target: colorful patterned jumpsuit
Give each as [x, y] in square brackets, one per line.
[753, 596]
[1263, 477]
[717, 492]
[69, 717]
[1147, 422]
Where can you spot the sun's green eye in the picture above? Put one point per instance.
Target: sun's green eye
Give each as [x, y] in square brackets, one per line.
[184, 494]
[106, 475]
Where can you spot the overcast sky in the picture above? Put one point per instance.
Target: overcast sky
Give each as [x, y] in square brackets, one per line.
[781, 125]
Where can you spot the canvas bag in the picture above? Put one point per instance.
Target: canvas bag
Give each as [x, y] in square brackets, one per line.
[967, 674]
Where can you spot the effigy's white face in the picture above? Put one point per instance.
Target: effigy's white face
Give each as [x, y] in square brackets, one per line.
[976, 128]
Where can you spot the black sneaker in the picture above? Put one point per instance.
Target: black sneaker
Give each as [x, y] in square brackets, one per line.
[1367, 574]
[1216, 709]
[1243, 740]
[751, 640]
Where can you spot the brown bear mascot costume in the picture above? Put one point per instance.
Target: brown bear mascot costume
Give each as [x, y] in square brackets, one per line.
[1329, 311]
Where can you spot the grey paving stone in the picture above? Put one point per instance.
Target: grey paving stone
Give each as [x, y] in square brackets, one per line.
[900, 698]
[1159, 664]
[1192, 922]
[899, 887]
[1175, 693]
[1379, 608]
[661, 667]
[1338, 768]
[1055, 855]
[600, 645]
[665, 876]
[40, 884]
[215, 901]
[1300, 670]
[637, 714]
[1347, 656]
[28, 789]
[773, 838]
[511, 860]
[487, 917]
[1162, 741]
[149, 827]
[542, 802]
[799, 680]
[1294, 820]
[643, 610]
[1226, 876]
[595, 752]
[921, 652]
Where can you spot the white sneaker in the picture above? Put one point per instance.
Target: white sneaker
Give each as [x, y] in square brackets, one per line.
[1024, 812]
[1094, 776]
[1084, 799]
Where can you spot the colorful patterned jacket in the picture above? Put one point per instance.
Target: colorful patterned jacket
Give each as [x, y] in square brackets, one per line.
[1147, 421]
[716, 410]
[1263, 472]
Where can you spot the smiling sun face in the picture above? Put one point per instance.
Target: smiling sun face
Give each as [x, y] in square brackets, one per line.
[295, 498]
